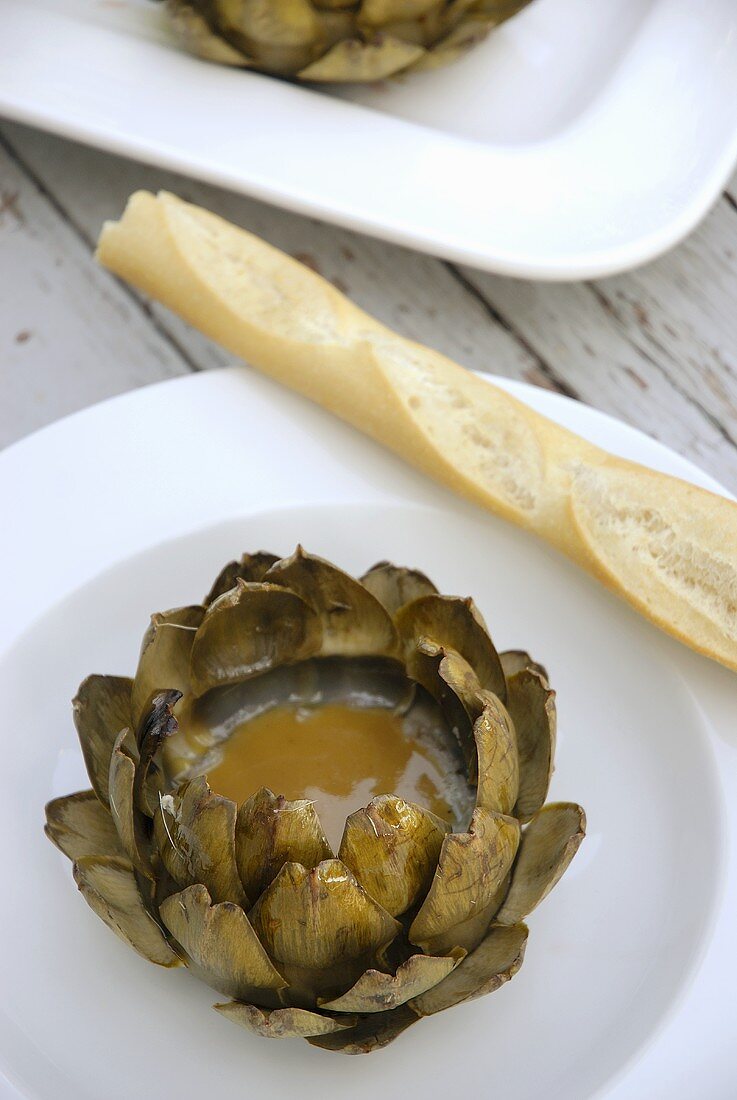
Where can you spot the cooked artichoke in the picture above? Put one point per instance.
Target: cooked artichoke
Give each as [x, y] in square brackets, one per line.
[335, 41]
[408, 918]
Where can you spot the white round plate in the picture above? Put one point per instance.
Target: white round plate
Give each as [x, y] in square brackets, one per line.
[628, 986]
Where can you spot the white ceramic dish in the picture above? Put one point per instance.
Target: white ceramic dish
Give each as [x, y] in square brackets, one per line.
[628, 986]
[581, 139]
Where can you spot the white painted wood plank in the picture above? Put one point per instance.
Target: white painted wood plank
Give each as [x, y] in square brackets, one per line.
[657, 346]
[415, 294]
[69, 334]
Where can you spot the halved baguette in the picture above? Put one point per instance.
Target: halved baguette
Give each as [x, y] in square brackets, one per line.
[664, 545]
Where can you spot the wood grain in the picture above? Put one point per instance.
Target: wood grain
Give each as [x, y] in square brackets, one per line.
[656, 347]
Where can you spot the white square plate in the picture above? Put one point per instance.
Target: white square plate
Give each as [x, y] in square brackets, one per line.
[582, 138]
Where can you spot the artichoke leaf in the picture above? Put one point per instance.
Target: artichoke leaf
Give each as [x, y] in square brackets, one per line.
[157, 726]
[495, 961]
[271, 831]
[354, 622]
[164, 659]
[371, 1033]
[517, 660]
[128, 818]
[79, 825]
[393, 847]
[532, 706]
[378, 12]
[453, 624]
[221, 945]
[378, 992]
[498, 762]
[548, 845]
[195, 34]
[355, 60]
[195, 834]
[108, 885]
[394, 585]
[457, 42]
[321, 928]
[102, 708]
[249, 567]
[282, 1023]
[470, 871]
[249, 630]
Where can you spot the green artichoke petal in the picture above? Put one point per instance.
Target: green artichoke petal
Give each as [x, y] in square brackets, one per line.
[271, 831]
[156, 728]
[452, 624]
[195, 835]
[378, 12]
[498, 762]
[108, 885]
[471, 869]
[271, 22]
[532, 706]
[221, 945]
[282, 1023]
[355, 60]
[497, 959]
[79, 825]
[102, 708]
[196, 35]
[250, 567]
[547, 846]
[516, 660]
[165, 653]
[128, 818]
[371, 1033]
[468, 33]
[378, 992]
[249, 630]
[393, 847]
[321, 928]
[395, 585]
[354, 623]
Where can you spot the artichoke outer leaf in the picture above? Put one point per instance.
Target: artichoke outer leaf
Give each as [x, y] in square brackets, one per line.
[453, 624]
[128, 819]
[371, 1033]
[468, 33]
[498, 762]
[517, 660]
[271, 831]
[495, 961]
[282, 1023]
[101, 708]
[108, 885]
[249, 630]
[395, 585]
[355, 60]
[376, 991]
[195, 34]
[378, 12]
[393, 847]
[221, 945]
[321, 928]
[470, 871]
[250, 567]
[165, 654]
[354, 622]
[532, 706]
[548, 845]
[195, 832]
[79, 825]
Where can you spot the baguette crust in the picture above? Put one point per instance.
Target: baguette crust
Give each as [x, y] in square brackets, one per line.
[667, 547]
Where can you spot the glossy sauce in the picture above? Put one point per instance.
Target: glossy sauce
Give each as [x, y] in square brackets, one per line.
[336, 755]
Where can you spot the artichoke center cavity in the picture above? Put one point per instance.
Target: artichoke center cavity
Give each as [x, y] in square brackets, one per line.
[340, 757]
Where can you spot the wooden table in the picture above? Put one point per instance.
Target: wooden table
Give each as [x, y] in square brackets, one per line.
[656, 347]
